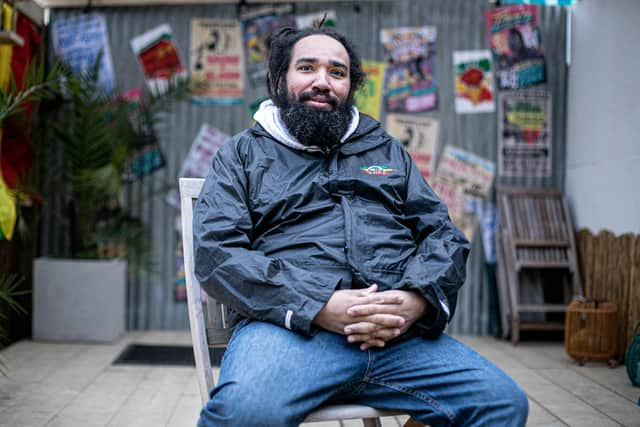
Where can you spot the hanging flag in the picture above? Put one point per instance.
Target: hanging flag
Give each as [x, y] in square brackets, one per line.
[79, 40]
[524, 133]
[410, 79]
[369, 97]
[473, 81]
[418, 135]
[217, 66]
[158, 57]
[514, 38]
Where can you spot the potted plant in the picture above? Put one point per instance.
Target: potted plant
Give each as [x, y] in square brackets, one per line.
[100, 140]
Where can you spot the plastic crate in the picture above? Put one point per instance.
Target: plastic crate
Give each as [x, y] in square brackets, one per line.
[591, 330]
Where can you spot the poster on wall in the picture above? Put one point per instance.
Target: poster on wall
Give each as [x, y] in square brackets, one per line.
[524, 133]
[217, 66]
[147, 156]
[79, 40]
[369, 97]
[463, 177]
[198, 162]
[473, 82]
[514, 37]
[419, 136]
[327, 17]
[158, 57]
[257, 25]
[410, 79]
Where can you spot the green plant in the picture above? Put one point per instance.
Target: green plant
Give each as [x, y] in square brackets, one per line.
[97, 134]
[9, 290]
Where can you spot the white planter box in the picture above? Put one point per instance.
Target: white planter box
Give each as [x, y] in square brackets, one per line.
[78, 300]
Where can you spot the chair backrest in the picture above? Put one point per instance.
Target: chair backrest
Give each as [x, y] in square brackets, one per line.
[538, 225]
[210, 330]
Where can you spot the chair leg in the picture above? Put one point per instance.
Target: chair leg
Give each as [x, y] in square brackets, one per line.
[371, 422]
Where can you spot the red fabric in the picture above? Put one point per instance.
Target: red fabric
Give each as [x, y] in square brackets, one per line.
[16, 139]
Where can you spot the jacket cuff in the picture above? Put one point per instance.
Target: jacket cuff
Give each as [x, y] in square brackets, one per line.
[434, 321]
[301, 319]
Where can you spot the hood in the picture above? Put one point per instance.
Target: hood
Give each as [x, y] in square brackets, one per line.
[268, 116]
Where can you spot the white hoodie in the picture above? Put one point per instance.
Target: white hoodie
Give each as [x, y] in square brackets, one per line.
[268, 115]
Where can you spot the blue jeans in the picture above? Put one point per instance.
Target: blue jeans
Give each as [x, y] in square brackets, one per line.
[273, 377]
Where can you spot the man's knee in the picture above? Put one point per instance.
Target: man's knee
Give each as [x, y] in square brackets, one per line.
[513, 404]
[234, 404]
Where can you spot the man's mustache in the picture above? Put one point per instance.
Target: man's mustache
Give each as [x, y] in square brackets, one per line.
[316, 95]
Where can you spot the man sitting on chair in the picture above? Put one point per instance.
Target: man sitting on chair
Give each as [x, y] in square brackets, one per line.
[339, 262]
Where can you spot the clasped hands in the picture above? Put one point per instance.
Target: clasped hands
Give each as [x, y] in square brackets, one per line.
[369, 317]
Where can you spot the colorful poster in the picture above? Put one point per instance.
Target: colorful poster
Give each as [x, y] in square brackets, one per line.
[410, 79]
[200, 157]
[524, 133]
[217, 66]
[257, 26]
[461, 178]
[327, 17]
[369, 97]
[158, 57]
[473, 81]
[147, 157]
[79, 40]
[514, 38]
[419, 136]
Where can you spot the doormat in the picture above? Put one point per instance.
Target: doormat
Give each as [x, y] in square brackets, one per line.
[143, 354]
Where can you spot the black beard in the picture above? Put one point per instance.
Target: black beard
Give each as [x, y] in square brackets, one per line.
[314, 127]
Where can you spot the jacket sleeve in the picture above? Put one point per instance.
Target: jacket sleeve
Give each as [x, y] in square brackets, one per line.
[437, 270]
[255, 285]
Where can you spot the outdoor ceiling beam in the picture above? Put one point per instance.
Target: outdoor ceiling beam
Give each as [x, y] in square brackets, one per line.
[123, 3]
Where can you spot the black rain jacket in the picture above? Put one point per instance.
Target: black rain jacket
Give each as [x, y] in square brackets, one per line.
[278, 230]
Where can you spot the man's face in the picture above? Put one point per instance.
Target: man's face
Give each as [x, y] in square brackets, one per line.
[318, 74]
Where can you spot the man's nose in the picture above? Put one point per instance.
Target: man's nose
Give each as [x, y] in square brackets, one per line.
[321, 81]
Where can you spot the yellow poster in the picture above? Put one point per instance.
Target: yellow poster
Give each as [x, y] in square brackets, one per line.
[369, 97]
[216, 61]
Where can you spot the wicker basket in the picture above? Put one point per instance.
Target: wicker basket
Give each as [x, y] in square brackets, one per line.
[591, 330]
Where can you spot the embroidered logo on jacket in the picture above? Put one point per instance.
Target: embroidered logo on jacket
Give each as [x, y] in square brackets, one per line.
[376, 170]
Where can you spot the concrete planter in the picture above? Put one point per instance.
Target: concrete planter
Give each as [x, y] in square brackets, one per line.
[78, 300]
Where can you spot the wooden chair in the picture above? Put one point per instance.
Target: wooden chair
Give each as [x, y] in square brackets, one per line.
[535, 232]
[214, 332]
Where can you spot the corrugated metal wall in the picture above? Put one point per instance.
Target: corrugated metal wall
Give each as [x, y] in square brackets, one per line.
[460, 25]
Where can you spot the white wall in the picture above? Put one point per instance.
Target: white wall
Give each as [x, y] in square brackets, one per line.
[603, 124]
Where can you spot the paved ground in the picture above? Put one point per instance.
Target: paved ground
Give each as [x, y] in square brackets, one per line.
[66, 385]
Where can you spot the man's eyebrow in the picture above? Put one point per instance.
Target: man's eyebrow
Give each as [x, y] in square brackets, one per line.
[333, 62]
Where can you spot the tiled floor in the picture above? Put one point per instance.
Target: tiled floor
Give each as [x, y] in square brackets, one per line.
[65, 385]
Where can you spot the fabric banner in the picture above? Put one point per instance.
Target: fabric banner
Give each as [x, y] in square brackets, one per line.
[158, 57]
[514, 38]
[79, 40]
[410, 79]
[473, 81]
[524, 133]
[419, 136]
[257, 25]
[369, 97]
[200, 157]
[461, 178]
[217, 66]
[309, 20]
